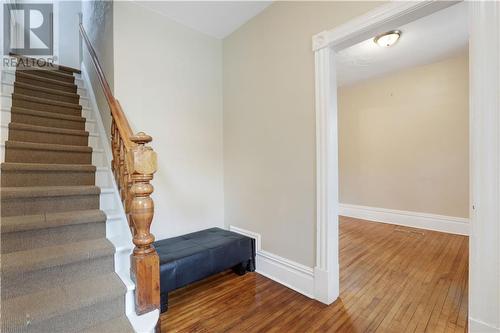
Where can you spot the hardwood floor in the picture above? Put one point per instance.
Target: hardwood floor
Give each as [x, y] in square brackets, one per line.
[393, 279]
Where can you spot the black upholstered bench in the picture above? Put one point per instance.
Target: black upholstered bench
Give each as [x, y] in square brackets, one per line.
[192, 257]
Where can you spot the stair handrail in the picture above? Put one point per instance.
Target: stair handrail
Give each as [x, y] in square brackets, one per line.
[133, 165]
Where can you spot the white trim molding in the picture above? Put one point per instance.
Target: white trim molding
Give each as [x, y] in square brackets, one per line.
[380, 19]
[484, 60]
[284, 271]
[476, 326]
[325, 44]
[484, 247]
[442, 223]
[326, 271]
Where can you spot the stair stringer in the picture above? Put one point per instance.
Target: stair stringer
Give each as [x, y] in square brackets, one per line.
[117, 229]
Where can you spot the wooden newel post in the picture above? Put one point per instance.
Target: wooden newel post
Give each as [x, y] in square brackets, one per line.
[145, 269]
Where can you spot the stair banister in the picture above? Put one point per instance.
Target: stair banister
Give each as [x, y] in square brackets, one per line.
[134, 164]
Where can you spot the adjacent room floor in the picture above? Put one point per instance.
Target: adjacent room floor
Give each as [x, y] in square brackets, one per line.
[393, 279]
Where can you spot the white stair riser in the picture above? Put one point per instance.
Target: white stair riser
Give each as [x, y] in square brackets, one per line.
[7, 88]
[107, 200]
[94, 141]
[8, 76]
[79, 83]
[84, 102]
[99, 158]
[4, 132]
[111, 222]
[6, 101]
[4, 117]
[90, 126]
[102, 178]
[82, 92]
[129, 301]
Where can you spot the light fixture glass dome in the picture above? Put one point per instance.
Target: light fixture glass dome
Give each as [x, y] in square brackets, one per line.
[387, 39]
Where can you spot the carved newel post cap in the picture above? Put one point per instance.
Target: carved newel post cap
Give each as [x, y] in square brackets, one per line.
[141, 159]
[141, 138]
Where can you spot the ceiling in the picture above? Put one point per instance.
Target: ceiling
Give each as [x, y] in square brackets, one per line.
[214, 18]
[429, 39]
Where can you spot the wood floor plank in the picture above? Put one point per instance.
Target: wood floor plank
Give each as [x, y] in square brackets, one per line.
[392, 279]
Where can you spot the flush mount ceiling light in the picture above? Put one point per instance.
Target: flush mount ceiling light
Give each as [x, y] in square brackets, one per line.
[388, 38]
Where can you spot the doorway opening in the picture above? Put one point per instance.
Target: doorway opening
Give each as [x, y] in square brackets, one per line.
[403, 131]
[483, 155]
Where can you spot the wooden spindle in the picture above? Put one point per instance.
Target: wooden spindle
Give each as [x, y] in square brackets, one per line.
[116, 156]
[113, 139]
[145, 266]
[121, 172]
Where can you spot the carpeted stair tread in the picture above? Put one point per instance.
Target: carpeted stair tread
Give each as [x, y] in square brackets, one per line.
[33, 61]
[22, 262]
[54, 115]
[116, 325]
[43, 81]
[51, 220]
[45, 92]
[57, 75]
[38, 174]
[47, 101]
[52, 74]
[47, 191]
[46, 146]
[32, 152]
[57, 266]
[22, 313]
[47, 167]
[45, 129]
[48, 119]
[45, 89]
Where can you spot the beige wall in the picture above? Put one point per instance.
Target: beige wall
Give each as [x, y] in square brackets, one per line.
[168, 79]
[404, 140]
[269, 123]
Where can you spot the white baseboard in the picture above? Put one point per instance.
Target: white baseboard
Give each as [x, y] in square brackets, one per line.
[477, 326]
[449, 224]
[284, 271]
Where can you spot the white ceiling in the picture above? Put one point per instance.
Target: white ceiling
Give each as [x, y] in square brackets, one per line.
[215, 18]
[423, 41]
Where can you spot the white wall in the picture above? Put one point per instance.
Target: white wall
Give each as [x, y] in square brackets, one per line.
[69, 36]
[168, 79]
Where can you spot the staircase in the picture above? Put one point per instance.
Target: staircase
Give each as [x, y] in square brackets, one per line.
[57, 266]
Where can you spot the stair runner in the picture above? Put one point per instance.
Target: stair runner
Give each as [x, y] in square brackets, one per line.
[57, 267]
